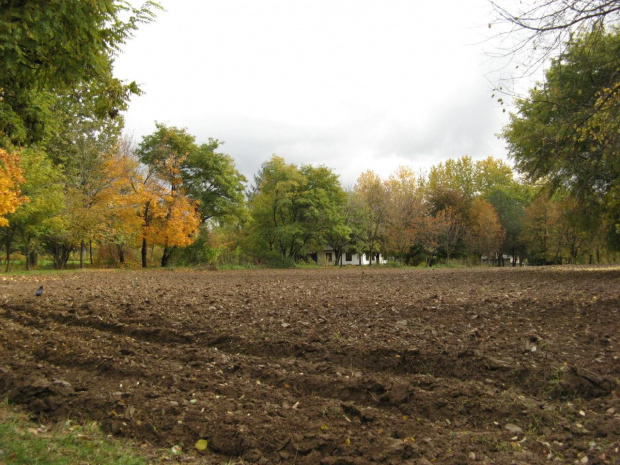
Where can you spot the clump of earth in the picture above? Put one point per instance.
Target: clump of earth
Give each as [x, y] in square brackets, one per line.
[328, 366]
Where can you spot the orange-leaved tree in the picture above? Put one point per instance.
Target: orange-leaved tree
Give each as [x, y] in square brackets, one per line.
[11, 177]
[169, 217]
[406, 212]
[485, 233]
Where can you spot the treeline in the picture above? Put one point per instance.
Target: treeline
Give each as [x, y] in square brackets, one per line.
[170, 201]
[473, 211]
[73, 188]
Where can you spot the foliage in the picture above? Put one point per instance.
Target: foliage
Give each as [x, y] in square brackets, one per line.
[44, 187]
[407, 209]
[447, 229]
[169, 217]
[10, 179]
[485, 234]
[510, 203]
[566, 133]
[49, 47]
[371, 201]
[208, 177]
[211, 179]
[469, 178]
[292, 208]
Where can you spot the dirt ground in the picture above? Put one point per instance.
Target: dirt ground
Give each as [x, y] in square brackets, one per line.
[329, 366]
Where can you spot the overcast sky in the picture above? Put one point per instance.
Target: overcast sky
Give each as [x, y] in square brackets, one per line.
[351, 84]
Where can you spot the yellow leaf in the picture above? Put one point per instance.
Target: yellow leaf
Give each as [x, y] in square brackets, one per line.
[201, 444]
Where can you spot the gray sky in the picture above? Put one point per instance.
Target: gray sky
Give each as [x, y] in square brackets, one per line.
[351, 84]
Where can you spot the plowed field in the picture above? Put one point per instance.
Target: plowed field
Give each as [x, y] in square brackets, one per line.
[333, 366]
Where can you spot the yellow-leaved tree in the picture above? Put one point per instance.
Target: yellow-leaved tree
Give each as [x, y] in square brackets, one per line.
[11, 177]
[169, 217]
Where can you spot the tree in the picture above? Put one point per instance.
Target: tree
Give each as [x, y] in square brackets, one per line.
[210, 177]
[10, 179]
[447, 228]
[83, 142]
[510, 203]
[48, 47]
[485, 233]
[169, 217]
[406, 211]
[539, 231]
[469, 177]
[539, 29]
[455, 174]
[118, 202]
[567, 132]
[293, 208]
[372, 217]
[44, 187]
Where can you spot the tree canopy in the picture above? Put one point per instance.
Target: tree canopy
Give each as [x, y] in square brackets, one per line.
[49, 47]
[567, 131]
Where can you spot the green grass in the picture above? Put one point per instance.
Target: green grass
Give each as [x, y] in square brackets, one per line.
[22, 442]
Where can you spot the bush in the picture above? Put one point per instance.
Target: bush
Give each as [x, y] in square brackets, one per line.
[271, 259]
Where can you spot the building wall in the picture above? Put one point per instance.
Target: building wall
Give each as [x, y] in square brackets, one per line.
[328, 257]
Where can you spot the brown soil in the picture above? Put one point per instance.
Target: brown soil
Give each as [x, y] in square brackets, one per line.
[334, 366]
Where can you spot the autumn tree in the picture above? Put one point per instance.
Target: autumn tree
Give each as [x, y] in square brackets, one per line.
[406, 211]
[468, 177]
[372, 216]
[11, 176]
[447, 228]
[44, 187]
[485, 234]
[169, 217]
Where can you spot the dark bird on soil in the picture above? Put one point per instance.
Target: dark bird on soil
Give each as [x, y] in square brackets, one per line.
[39, 292]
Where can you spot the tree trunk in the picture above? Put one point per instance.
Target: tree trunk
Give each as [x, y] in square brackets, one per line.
[165, 258]
[90, 251]
[27, 250]
[144, 251]
[121, 254]
[82, 247]
[8, 252]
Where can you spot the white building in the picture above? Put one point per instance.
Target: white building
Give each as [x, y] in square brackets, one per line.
[327, 256]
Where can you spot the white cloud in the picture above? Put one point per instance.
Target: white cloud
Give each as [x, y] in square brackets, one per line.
[354, 85]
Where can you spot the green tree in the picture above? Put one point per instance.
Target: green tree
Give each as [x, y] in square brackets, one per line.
[539, 231]
[211, 178]
[83, 142]
[49, 47]
[567, 131]
[510, 203]
[293, 208]
[44, 188]
[205, 176]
